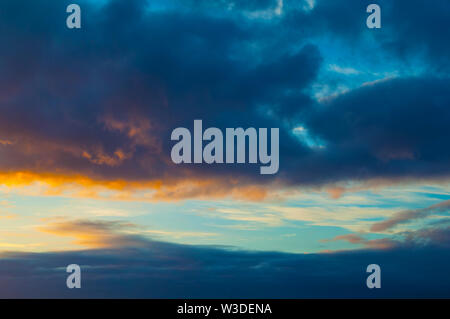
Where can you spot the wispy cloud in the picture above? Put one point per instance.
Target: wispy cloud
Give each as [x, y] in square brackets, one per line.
[343, 70]
[410, 215]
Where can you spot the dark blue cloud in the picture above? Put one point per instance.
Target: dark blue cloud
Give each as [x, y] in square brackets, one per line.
[163, 270]
[70, 99]
[394, 129]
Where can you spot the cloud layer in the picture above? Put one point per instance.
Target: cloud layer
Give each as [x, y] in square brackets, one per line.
[101, 102]
[133, 266]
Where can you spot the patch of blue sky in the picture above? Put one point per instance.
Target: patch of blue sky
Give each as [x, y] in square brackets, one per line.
[98, 3]
[350, 64]
[152, 6]
[295, 237]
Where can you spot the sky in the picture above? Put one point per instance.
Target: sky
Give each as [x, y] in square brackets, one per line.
[86, 177]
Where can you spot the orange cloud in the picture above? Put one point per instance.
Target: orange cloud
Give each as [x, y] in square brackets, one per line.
[136, 128]
[94, 234]
[146, 190]
[406, 216]
[382, 243]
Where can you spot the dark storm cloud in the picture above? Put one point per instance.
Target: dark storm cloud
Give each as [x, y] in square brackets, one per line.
[410, 28]
[102, 101]
[163, 270]
[420, 27]
[394, 129]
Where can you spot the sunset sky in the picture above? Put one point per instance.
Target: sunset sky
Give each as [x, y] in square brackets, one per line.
[86, 175]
